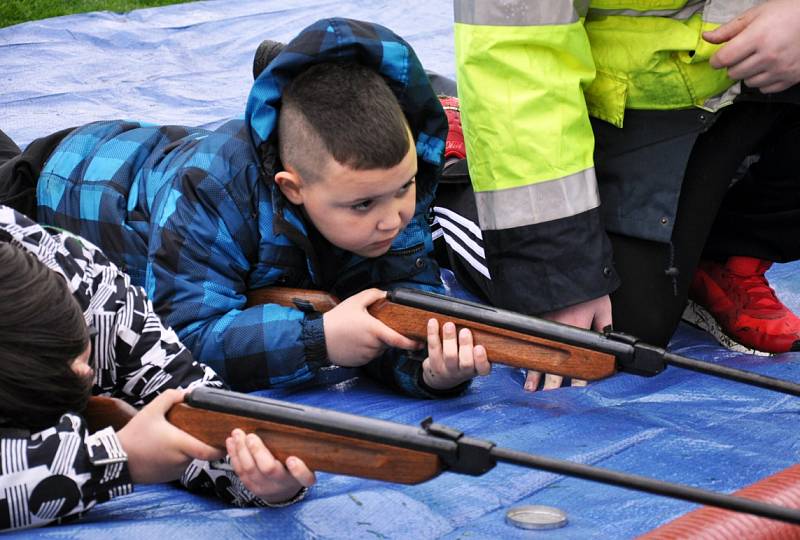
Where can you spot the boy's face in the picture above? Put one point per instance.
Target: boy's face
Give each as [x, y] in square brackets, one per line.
[358, 211]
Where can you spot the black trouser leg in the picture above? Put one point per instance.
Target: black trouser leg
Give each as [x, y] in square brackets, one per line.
[9, 183]
[8, 148]
[19, 171]
[656, 276]
[760, 214]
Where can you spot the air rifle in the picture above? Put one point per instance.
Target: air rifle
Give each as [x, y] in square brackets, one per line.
[521, 340]
[365, 447]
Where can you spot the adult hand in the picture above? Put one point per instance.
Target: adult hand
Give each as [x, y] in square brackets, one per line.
[157, 450]
[594, 314]
[261, 473]
[763, 46]
[354, 337]
[452, 360]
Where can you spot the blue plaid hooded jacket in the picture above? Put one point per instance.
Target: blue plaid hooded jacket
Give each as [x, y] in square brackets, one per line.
[195, 217]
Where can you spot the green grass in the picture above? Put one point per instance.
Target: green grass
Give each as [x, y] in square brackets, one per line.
[17, 11]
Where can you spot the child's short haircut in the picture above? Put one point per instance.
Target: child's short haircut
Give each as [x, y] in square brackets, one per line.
[346, 109]
[42, 330]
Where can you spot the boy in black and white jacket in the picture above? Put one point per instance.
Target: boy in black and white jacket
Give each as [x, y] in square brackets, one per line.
[71, 326]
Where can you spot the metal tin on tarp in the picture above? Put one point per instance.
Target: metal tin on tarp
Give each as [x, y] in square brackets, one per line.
[536, 516]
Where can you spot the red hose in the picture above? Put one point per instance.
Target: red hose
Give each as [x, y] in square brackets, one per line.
[710, 523]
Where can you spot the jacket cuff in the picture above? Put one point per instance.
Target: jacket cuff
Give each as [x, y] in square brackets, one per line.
[297, 497]
[437, 393]
[105, 448]
[313, 336]
[551, 265]
[408, 375]
[106, 452]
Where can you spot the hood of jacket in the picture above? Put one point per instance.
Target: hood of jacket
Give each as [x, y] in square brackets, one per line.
[347, 40]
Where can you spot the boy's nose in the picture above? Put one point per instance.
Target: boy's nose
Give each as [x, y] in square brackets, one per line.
[391, 221]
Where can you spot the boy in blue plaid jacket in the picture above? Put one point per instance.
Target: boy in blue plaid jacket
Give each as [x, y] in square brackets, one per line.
[325, 183]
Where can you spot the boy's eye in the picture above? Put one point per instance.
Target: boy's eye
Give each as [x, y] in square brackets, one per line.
[403, 190]
[362, 206]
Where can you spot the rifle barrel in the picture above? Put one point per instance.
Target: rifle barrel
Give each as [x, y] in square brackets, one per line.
[738, 375]
[648, 485]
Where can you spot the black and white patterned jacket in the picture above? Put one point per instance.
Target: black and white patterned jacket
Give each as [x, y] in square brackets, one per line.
[63, 471]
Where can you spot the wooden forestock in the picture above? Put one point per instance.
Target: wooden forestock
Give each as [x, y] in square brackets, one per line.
[502, 346]
[320, 451]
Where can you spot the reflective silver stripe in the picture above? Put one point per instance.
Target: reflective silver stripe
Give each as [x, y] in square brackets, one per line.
[691, 8]
[538, 203]
[724, 99]
[518, 12]
[722, 11]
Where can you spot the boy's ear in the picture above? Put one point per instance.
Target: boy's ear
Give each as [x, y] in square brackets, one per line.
[291, 185]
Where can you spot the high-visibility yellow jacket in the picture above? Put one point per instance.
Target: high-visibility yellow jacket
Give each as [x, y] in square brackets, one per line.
[530, 73]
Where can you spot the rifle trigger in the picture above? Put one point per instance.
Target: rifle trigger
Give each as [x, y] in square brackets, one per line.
[304, 305]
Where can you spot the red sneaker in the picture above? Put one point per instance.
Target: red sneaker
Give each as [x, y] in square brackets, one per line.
[740, 300]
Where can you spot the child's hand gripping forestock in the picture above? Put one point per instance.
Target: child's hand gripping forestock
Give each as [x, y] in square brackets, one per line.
[452, 359]
[159, 452]
[354, 338]
[263, 474]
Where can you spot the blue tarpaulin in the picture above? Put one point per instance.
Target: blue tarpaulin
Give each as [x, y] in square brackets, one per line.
[191, 64]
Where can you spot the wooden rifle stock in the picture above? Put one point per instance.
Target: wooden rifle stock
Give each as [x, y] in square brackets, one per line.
[503, 346]
[321, 451]
[102, 412]
[304, 299]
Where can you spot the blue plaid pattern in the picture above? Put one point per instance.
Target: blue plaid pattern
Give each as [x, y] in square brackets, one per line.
[194, 217]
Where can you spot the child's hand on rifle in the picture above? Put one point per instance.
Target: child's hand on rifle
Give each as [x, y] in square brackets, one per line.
[157, 450]
[261, 473]
[354, 337]
[452, 359]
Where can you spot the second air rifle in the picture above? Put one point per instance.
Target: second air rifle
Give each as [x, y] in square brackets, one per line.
[519, 340]
[365, 447]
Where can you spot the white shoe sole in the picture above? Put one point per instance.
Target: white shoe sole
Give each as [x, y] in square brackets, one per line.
[696, 315]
